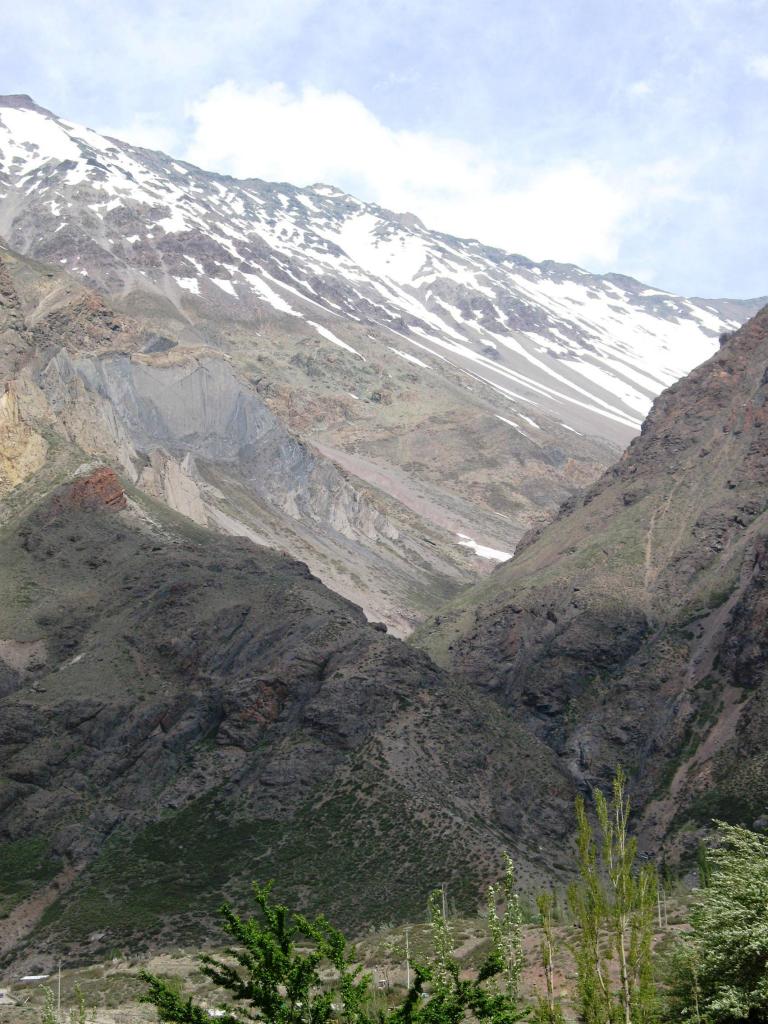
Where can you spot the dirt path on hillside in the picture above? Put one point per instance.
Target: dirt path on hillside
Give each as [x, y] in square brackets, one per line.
[23, 918]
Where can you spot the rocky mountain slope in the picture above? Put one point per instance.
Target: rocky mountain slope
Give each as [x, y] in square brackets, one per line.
[181, 712]
[632, 629]
[473, 388]
[186, 428]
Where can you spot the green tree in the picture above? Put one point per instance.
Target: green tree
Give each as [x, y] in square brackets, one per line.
[271, 974]
[48, 1015]
[507, 929]
[442, 995]
[548, 1008]
[442, 992]
[78, 1014]
[703, 865]
[720, 970]
[268, 977]
[682, 985]
[442, 966]
[613, 905]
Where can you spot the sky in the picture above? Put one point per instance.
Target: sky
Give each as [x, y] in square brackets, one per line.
[621, 137]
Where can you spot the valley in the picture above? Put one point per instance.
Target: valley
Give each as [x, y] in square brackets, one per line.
[337, 548]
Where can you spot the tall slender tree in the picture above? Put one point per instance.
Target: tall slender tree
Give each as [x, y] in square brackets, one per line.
[703, 865]
[548, 1008]
[613, 904]
[507, 928]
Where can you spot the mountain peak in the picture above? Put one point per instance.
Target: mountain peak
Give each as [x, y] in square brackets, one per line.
[21, 101]
[326, 190]
[406, 220]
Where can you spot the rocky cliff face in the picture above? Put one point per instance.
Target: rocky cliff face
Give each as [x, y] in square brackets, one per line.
[22, 449]
[181, 712]
[630, 629]
[182, 424]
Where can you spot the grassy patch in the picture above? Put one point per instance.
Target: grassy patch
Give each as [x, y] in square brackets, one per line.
[360, 856]
[25, 866]
[723, 805]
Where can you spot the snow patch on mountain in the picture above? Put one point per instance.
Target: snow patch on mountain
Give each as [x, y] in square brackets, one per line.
[330, 336]
[482, 551]
[409, 358]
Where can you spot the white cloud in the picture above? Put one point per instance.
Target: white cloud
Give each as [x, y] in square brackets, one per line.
[758, 66]
[638, 89]
[147, 130]
[570, 210]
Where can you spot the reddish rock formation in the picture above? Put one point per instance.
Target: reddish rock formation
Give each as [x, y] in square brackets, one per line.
[101, 489]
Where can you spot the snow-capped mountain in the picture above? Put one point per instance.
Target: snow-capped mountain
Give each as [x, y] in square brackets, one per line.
[474, 388]
[591, 350]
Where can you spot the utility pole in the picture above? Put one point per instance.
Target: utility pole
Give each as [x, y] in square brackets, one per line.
[444, 889]
[407, 960]
[58, 1001]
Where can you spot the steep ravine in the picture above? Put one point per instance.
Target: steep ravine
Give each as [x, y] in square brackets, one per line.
[632, 629]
